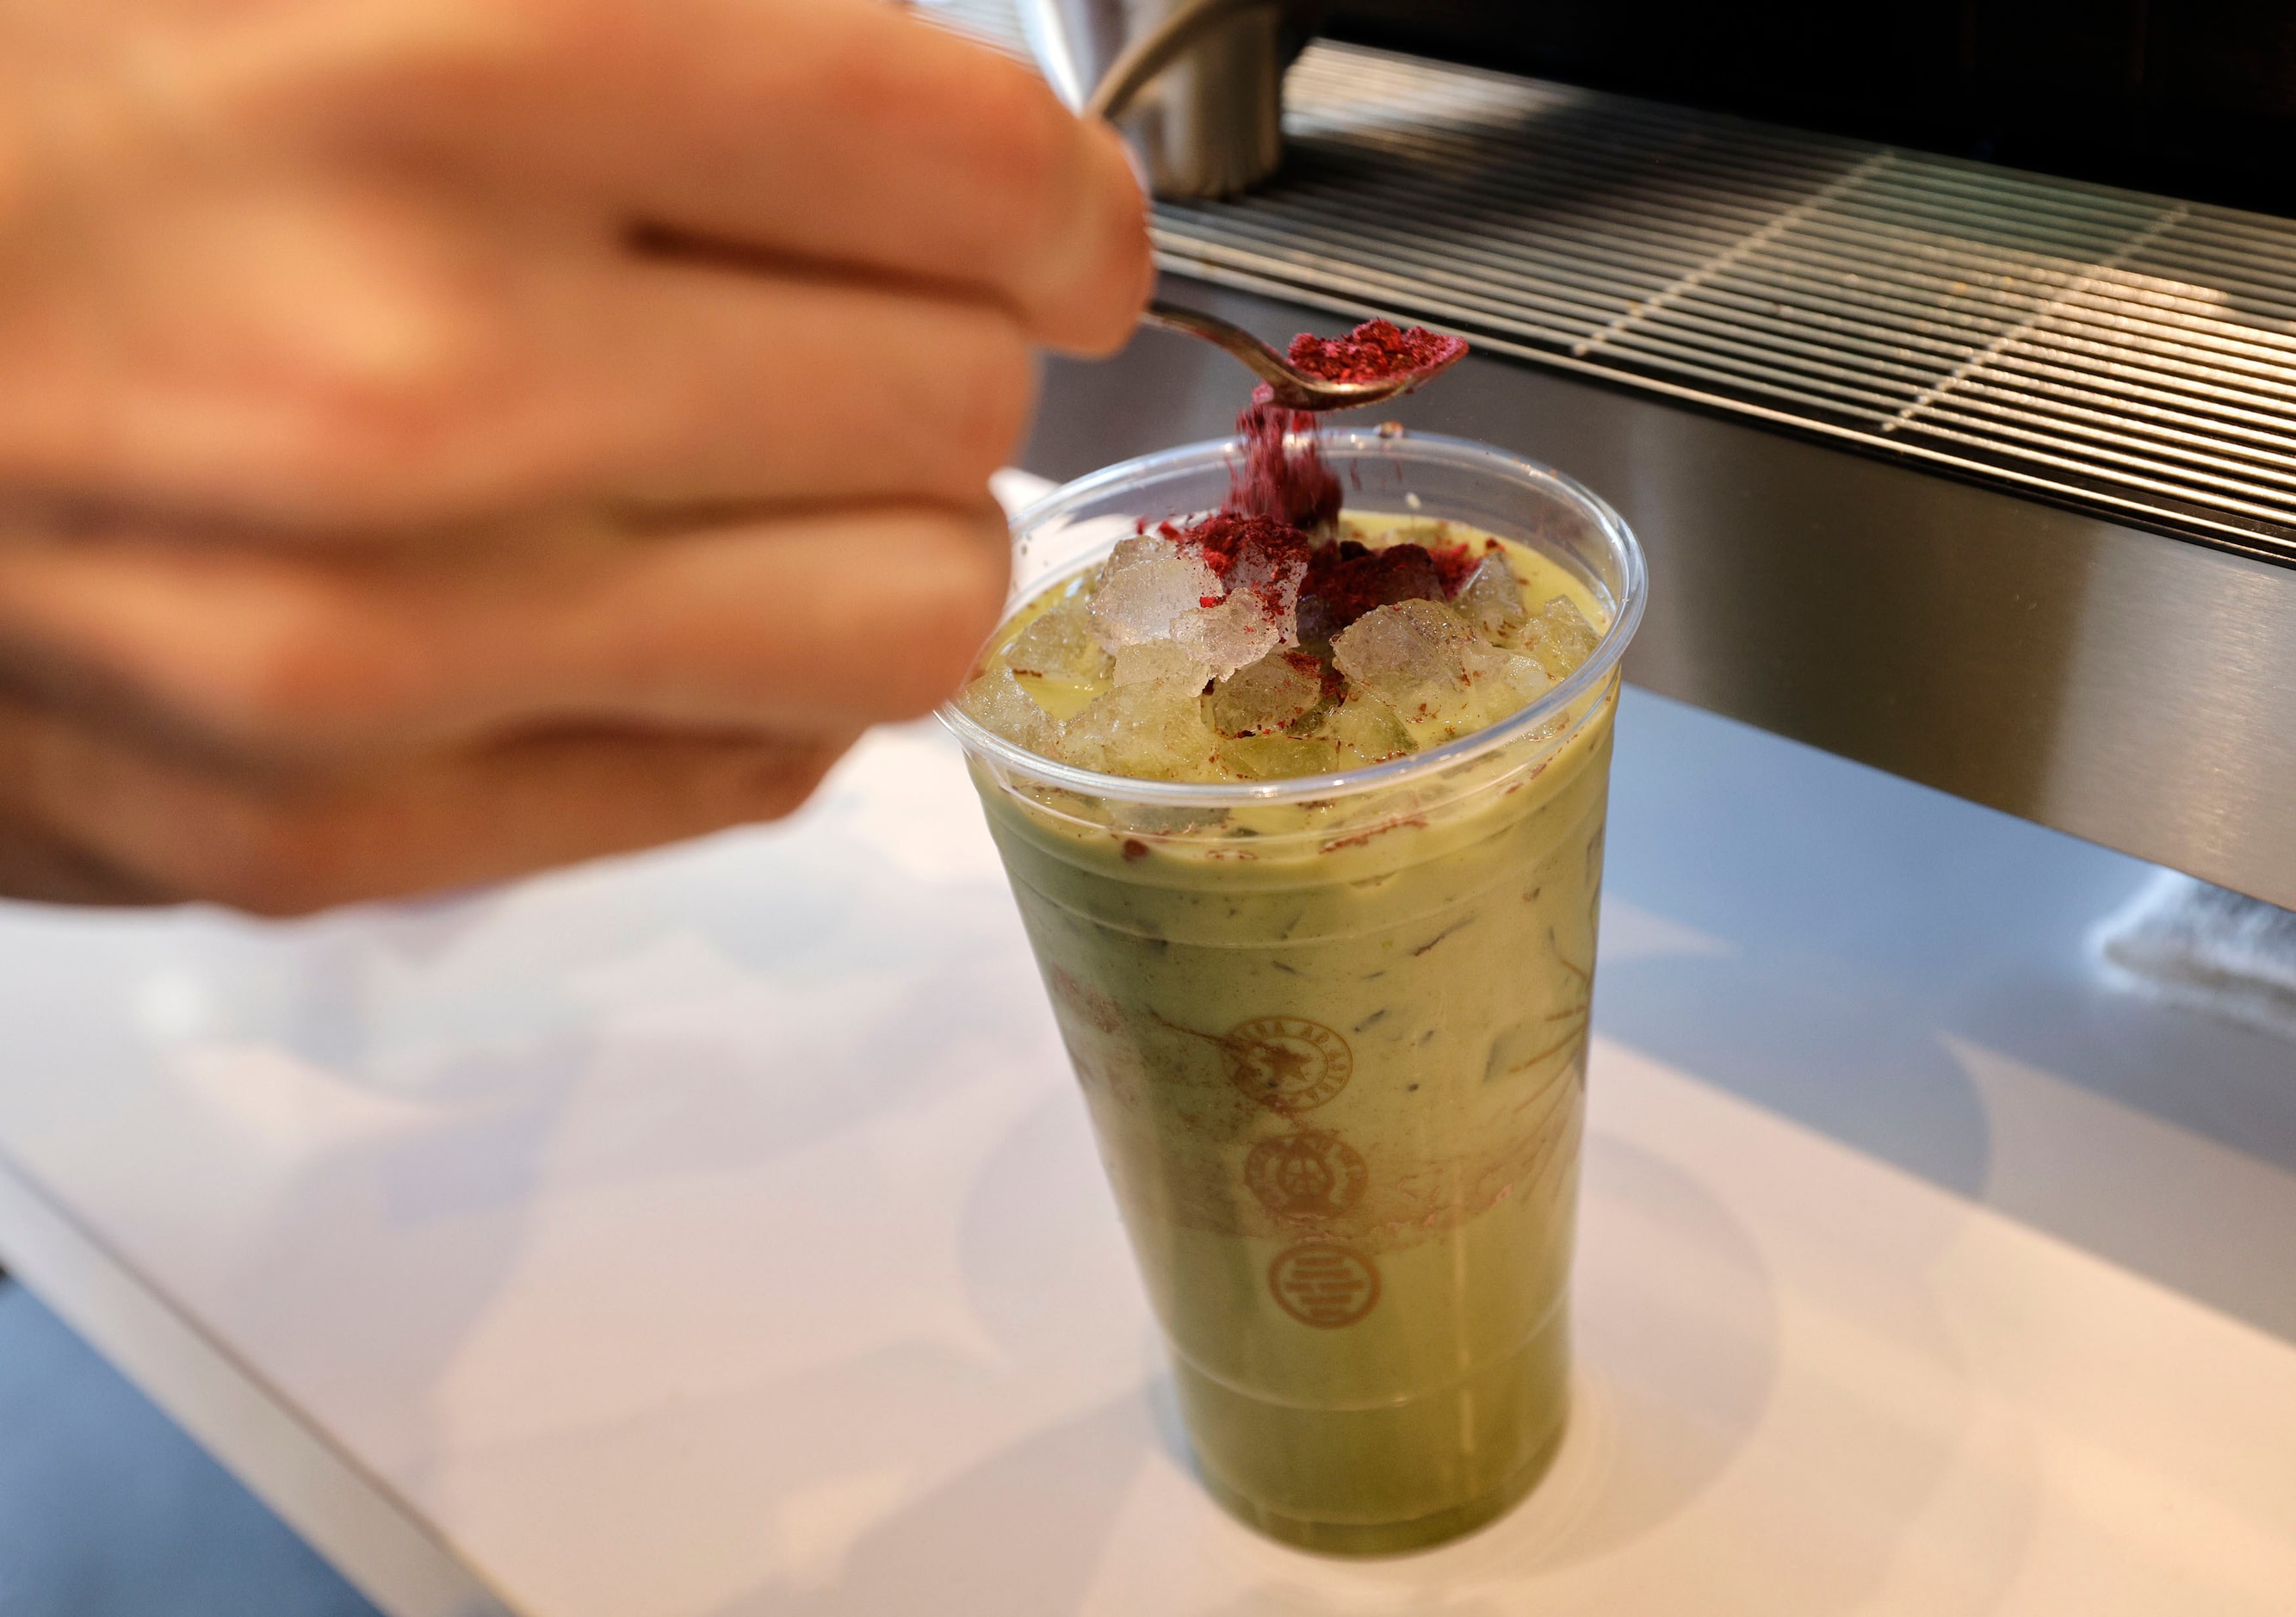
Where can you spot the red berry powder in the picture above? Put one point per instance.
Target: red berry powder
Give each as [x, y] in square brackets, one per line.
[1280, 480]
[1377, 350]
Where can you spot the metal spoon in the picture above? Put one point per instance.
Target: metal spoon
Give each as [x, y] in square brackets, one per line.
[1295, 388]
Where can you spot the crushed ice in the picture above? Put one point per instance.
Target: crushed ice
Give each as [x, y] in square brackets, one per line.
[1184, 660]
[1147, 581]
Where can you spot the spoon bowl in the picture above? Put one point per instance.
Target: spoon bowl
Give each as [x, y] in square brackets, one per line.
[1294, 388]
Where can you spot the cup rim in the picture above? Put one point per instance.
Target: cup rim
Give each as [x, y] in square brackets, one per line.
[1627, 616]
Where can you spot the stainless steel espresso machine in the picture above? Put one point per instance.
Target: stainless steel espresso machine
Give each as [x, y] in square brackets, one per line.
[1980, 475]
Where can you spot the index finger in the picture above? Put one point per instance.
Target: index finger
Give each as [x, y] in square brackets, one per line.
[846, 133]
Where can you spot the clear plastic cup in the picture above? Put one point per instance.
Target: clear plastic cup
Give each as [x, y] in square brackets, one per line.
[1333, 1034]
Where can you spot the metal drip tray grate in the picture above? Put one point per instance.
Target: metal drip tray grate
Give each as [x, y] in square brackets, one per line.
[2132, 352]
[2128, 353]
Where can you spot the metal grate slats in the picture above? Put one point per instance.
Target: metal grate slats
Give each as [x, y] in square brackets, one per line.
[2131, 354]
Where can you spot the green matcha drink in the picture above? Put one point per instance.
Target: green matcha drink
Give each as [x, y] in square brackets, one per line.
[1315, 904]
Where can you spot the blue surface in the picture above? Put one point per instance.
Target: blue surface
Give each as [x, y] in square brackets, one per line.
[108, 1510]
[1862, 921]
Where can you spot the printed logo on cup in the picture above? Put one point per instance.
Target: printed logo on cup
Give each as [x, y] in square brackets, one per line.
[1287, 1064]
[1307, 1175]
[1323, 1283]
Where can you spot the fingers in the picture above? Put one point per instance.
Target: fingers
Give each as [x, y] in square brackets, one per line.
[843, 132]
[783, 390]
[86, 817]
[341, 364]
[657, 349]
[443, 314]
[795, 625]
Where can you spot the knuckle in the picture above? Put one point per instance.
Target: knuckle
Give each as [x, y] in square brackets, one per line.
[383, 404]
[317, 676]
[362, 334]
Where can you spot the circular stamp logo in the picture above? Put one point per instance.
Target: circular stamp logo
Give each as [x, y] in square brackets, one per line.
[1323, 1283]
[1287, 1064]
[1307, 1175]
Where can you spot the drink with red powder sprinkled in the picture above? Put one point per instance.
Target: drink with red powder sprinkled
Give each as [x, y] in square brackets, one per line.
[1303, 808]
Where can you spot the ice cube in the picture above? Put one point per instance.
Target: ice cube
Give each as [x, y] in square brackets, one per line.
[1503, 682]
[1267, 694]
[1414, 657]
[1442, 678]
[1272, 564]
[1162, 662]
[1255, 608]
[1060, 644]
[1147, 581]
[1365, 731]
[1150, 729]
[1491, 599]
[1237, 632]
[1559, 636]
[1267, 758]
[997, 702]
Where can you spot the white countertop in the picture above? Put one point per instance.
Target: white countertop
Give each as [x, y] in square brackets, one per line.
[719, 1233]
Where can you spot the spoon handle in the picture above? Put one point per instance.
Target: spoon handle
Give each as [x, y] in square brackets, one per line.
[1263, 361]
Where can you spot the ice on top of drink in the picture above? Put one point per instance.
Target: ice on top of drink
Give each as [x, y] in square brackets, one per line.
[1240, 648]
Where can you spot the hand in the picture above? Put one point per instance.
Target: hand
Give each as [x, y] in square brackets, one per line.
[444, 438]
